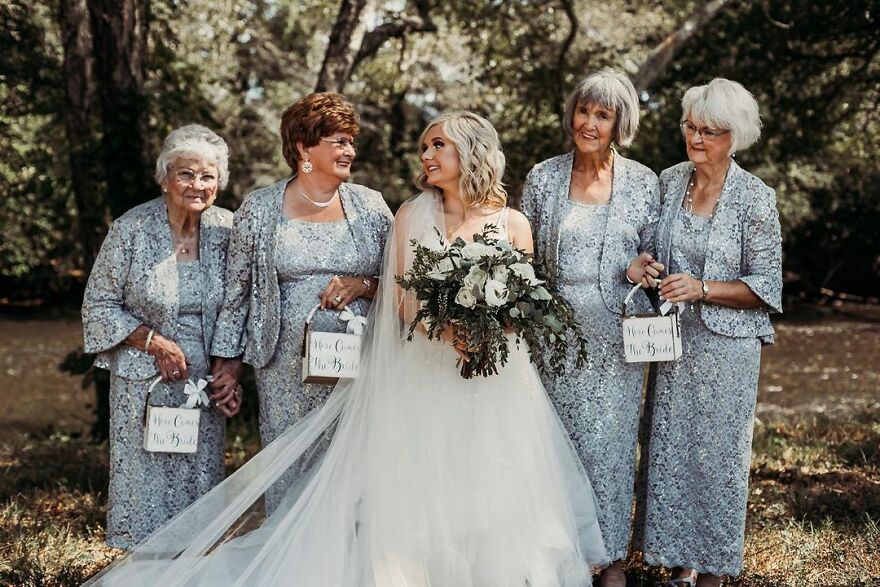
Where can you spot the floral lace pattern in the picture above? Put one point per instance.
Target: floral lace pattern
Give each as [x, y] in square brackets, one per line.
[700, 409]
[147, 489]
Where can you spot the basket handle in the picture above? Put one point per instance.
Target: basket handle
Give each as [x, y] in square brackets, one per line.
[149, 393]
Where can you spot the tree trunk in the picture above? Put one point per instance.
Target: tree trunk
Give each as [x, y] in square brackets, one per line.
[345, 38]
[73, 21]
[120, 37]
[665, 52]
[350, 44]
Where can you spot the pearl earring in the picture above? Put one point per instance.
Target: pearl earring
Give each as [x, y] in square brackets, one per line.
[307, 166]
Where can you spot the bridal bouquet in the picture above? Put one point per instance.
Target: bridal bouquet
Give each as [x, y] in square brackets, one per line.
[485, 289]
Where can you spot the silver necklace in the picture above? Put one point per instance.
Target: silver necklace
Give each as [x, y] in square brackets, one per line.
[319, 204]
[689, 206]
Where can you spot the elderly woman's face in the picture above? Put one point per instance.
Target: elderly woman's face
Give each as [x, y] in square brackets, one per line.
[440, 160]
[333, 155]
[192, 184]
[593, 126]
[705, 144]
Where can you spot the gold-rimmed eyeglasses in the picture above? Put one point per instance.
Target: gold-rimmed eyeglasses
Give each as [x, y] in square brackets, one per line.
[341, 143]
[189, 177]
[708, 134]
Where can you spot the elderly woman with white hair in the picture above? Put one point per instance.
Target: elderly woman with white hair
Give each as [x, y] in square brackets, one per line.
[592, 211]
[149, 308]
[719, 236]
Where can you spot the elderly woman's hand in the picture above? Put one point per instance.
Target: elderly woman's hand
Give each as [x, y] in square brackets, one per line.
[681, 287]
[169, 358]
[226, 392]
[644, 270]
[342, 290]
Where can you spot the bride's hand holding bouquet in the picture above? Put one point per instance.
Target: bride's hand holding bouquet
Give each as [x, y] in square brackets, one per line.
[473, 294]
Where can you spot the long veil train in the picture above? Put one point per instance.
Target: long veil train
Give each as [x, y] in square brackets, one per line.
[430, 480]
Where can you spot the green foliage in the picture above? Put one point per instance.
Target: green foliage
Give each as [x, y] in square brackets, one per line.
[236, 65]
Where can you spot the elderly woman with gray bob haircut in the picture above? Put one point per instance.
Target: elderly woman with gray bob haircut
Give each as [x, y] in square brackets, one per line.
[149, 308]
[719, 236]
[592, 211]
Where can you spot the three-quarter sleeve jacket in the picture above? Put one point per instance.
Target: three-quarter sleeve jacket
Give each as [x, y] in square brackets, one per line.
[632, 219]
[745, 243]
[134, 281]
[250, 320]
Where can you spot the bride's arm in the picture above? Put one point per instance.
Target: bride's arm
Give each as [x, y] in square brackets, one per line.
[519, 231]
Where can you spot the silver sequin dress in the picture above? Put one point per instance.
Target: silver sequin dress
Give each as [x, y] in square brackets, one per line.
[701, 411]
[307, 256]
[599, 404]
[147, 489]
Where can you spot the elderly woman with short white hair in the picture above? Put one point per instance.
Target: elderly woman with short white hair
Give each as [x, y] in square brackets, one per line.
[149, 308]
[719, 236]
[592, 211]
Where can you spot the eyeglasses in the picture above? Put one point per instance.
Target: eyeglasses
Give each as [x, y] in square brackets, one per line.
[342, 143]
[708, 134]
[188, 177]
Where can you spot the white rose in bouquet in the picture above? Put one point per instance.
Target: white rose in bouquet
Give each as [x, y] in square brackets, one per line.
[442, 269]
[474, 251]
[496, 293]
[465, 297]
[527, 272]
[475, 277]
[500, 273]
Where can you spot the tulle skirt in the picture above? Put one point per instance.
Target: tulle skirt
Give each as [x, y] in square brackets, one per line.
[430, 481]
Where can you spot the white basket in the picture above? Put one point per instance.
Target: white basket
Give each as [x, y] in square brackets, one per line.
[650, 338]
[328, 357]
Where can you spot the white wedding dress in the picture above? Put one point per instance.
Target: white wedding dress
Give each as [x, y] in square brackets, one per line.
[431, 480]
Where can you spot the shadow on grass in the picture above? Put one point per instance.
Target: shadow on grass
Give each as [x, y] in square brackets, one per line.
[53, 461]
[819, 469]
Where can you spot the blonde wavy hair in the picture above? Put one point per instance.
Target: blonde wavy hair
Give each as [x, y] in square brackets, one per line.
[480, 156]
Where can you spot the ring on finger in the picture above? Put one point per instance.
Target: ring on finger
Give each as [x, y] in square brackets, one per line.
[337, 298]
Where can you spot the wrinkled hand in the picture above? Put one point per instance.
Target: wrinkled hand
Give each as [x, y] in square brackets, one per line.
[341, 291]
[170, 359]
[644, 270]
[680, 287]
[225, 391]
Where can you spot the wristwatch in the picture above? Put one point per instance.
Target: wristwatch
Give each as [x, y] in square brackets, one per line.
[705, 288]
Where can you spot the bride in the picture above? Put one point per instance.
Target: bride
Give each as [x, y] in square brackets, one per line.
[431, 480]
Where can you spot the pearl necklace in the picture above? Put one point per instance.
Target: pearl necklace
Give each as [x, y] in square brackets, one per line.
[319, 204]
[689, 206]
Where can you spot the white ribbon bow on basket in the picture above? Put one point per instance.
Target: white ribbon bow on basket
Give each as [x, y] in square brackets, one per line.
[354, 324]
[195, 393]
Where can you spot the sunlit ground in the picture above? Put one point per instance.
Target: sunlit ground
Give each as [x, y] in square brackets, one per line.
[814, 505]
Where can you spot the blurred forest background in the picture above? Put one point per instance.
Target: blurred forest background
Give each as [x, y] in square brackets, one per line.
[89, 88]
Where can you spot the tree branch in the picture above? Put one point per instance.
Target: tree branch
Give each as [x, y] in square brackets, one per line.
[395, 29]
[666, 51]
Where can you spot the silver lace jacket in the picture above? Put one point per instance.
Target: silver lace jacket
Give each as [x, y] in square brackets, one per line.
[250, 319]
[134, 281]
[745, 243]
[632, 219]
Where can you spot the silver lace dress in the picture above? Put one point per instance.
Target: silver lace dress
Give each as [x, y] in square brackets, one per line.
[147, 489]
[307, 256]
[599, 404]
[700, 411]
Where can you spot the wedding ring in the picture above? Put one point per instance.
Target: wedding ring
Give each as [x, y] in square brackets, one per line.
[337, 299]
[175, 373]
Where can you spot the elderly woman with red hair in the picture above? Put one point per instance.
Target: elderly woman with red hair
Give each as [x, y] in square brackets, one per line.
[310, 239]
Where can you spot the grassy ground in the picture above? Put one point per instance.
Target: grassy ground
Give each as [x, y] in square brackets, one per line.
[814, 507]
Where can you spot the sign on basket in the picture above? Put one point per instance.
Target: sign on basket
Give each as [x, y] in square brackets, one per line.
[174, 430]
[650, 338]
[330, 356]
